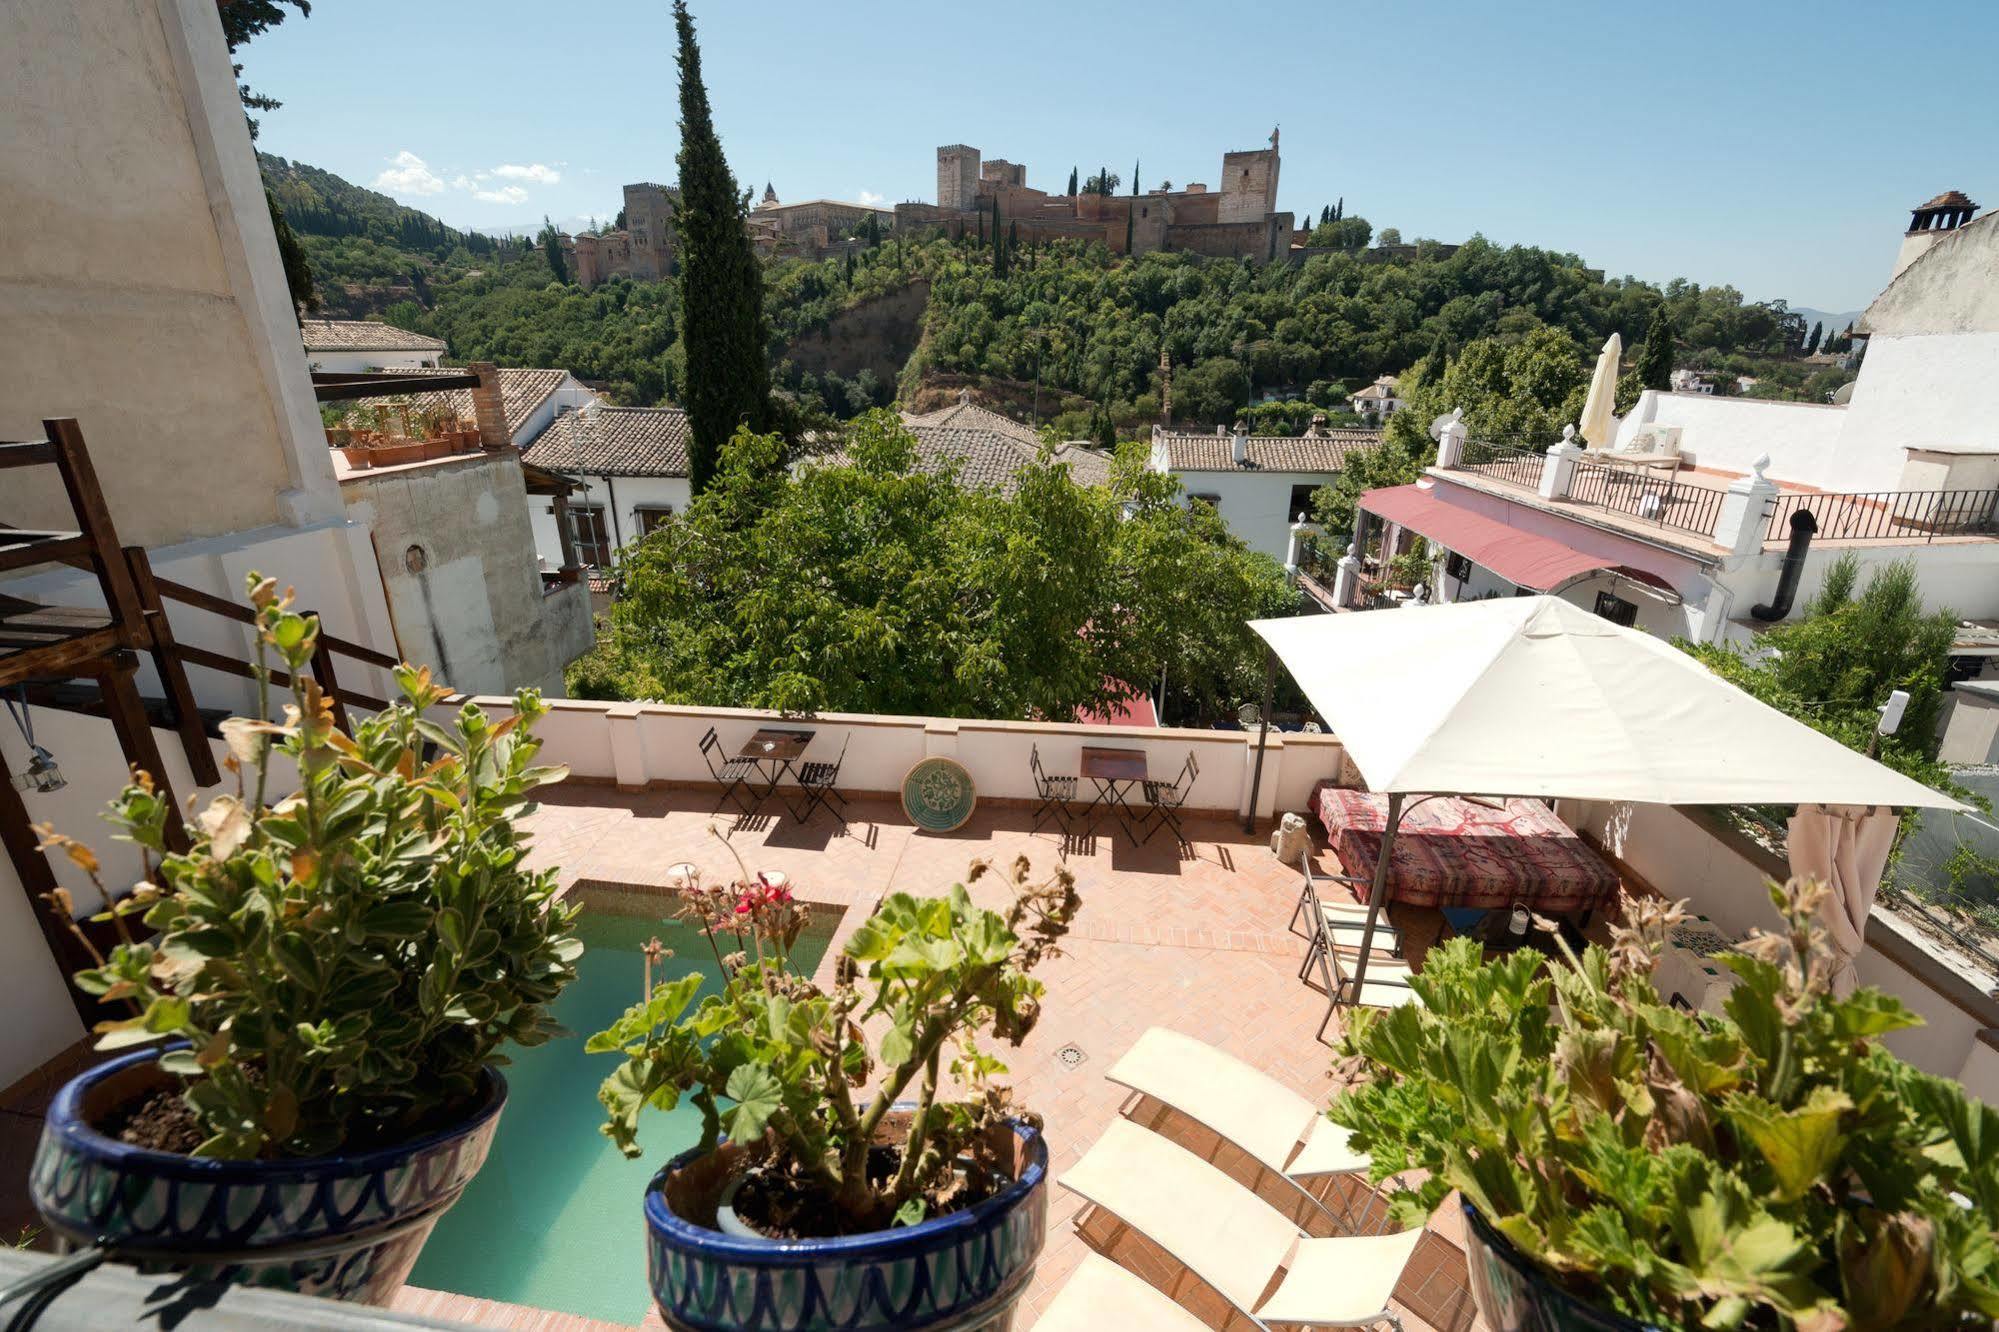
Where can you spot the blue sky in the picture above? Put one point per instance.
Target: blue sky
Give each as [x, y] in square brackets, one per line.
[1773, 146]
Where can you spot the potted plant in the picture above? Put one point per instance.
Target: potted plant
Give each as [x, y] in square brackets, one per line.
[324, 996]
[810, 1202]
[1626, 1164]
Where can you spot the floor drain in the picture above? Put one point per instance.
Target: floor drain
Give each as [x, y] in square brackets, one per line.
[1070, 1056]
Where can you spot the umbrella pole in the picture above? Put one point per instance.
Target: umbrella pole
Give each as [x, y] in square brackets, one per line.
[1262, 737]
[1379, 890]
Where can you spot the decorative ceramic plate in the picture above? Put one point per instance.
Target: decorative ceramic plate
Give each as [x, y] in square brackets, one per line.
[937, 794]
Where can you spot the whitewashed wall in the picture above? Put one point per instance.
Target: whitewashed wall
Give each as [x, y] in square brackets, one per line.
[364, 362]
[1915, 390]
[630, 493]
[1801, 438]
[1255, 504]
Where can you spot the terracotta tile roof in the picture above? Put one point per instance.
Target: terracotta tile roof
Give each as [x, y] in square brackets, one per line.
[1951, 199]
[965, 415]
[990, 458]
[614, 441]
[346, 335]
[1268, 453]
[522, 390]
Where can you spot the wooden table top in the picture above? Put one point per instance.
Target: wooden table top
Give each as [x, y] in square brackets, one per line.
[1105, 764]
[777, 743]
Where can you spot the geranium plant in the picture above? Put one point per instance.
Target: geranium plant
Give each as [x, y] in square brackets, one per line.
[1770, 1167]
[342, 962]
[776, 1062]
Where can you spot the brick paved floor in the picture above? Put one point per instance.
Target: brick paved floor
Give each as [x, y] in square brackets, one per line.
[1194, 939]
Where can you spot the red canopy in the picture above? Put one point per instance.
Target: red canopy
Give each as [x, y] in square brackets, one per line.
[1537, 562]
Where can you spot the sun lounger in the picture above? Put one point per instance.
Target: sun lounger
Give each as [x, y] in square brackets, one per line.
[1101, 1295]
[1285, 1133]
[1235, 1242]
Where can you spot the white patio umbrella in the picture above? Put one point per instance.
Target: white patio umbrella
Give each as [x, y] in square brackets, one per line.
[1533, 696]
[1598, 422]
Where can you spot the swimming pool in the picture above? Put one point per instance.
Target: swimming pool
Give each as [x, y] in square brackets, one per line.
[554, 1220]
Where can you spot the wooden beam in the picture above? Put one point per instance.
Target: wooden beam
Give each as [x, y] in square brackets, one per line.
[26, 453]
[47, 549]
[86, 500]
[343, 388]
[135, 735]
[31, 867]
[173, 676]
[322, 671]
[58, 661]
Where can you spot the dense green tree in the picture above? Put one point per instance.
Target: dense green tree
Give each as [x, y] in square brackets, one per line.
[1814, 337]
[551, 248]
[1134, 177]
[1215, 389]
[1072, 183]
[1655, 354]
[298, 272]
[875, 586]
[242, 20]
[727, 385]
[1389, 236]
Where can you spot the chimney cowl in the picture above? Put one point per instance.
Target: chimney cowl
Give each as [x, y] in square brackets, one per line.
[1239, 445]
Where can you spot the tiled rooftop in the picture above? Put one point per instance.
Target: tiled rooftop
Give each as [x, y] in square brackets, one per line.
[522, 390]
[614, 441]
[343, 335]
[1268, 453]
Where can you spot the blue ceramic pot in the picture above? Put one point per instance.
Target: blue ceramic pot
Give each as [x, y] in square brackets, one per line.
[961, 1272]
[347, 1227]
[1515, 1295]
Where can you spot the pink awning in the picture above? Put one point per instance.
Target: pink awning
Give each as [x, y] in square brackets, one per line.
[1537, 562]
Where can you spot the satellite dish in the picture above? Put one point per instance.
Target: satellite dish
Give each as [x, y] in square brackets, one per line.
[1445, 422]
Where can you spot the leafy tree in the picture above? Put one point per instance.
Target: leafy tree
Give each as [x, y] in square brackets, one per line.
[727, 384]
[1655, 355]
[1214, 390]
[551, 247]
[1389, 236]
[242, 20]
[298, 273]
[1393, 462]
[1105, 182]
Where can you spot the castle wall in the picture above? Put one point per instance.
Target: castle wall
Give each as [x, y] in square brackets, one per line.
[1249, 185]
[1256, 241]
[957, 177]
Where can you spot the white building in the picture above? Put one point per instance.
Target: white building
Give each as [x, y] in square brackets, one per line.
[1259, 484]
[1698, 546]
[630, 466]
[357, 346]
[1378, 399]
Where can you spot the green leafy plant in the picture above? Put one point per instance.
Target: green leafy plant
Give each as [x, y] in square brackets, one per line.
[342, 962]
[931, 975]
[1771, 1167]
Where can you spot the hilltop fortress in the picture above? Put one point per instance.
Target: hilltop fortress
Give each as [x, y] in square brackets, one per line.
[1239, 220]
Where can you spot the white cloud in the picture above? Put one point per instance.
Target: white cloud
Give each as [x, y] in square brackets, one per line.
[506, 194]
[534, 171]
[869, 197]
[410, 175]
[461, 181]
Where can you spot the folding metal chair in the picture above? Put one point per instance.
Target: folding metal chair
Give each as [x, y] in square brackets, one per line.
[816, 784]
[1164, 800]
[732, 773]
[1055, 793]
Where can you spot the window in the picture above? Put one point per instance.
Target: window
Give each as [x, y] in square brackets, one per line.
[1212, 501]
[1616, 609]
[1457, 566]
[651, 516]
[593, 538]
[1301, 501]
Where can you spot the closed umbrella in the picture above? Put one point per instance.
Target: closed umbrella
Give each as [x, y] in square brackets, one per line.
[1598, 422]
[1844, 847]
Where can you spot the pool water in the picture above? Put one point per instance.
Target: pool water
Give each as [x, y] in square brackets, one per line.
[554, 1219]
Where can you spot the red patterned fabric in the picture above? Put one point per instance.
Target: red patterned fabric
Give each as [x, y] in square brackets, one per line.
[1453, 853]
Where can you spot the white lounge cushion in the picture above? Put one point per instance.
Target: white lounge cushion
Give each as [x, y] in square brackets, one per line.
[1101, 1295]
[1341, 1281]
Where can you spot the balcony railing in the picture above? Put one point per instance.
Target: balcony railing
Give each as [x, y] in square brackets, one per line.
[1503, 462]
[1642, 493]
[1889, 515]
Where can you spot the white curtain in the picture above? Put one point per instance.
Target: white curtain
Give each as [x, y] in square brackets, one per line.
[1846, 847]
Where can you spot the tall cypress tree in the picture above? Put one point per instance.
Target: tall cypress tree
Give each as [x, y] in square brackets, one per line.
[1072, 182]
[1655, 354]
[721, 282]
[1134, 177]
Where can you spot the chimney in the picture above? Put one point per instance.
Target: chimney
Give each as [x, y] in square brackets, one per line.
[964, 396]
[487, 409]
[1239, 447]
[1931, 223]
[1318, 426]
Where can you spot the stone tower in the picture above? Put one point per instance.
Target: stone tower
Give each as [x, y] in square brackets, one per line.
[1931, 223]
[957, 178]
[649, 213]
[1249, 184]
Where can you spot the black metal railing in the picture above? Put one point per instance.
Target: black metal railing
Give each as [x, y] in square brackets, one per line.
[1503, 462]
[1888, 515]
[1644, 492]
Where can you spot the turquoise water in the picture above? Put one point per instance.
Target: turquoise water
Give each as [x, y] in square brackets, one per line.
[554, 1219]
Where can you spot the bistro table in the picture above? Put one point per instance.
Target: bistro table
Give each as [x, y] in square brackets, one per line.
[773, 751]
[1115, 772]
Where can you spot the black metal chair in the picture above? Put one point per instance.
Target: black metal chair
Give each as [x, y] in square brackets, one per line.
[1056, 794]
[816, 783]
[1164, 799]
[732, 773]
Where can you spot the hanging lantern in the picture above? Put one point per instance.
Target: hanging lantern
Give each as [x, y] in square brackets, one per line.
[43, 774]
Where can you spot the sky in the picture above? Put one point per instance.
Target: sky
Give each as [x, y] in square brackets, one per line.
[1773, 145]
